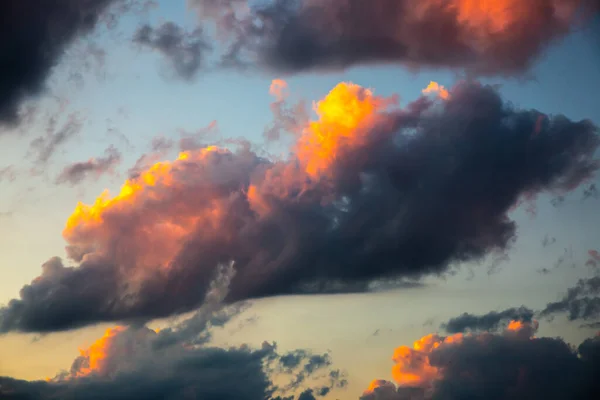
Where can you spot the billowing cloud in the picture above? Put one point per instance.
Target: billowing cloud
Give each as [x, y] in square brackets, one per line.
[94, 167]
[513, 364]
[372, 191]
[487, 322]
[136, 362]
[500, 37]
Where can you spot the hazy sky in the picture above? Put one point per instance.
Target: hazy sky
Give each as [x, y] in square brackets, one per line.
[126, 96]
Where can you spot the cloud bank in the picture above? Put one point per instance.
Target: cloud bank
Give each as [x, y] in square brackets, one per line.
[135, 362]
[372, 191]
[513, 364]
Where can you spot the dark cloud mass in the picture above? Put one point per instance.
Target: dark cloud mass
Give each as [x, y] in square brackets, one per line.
[501, 37]
[487, 322]
[197, 373]
[33, 37]
[502, 366]
[77, 172]
[384, 193]
[136, 362]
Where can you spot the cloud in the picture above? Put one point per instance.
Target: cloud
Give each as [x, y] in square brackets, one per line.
[75, 173]
[137, 362]
[44, 147]
[581, 302]
[487, 322]
[504, 37]
[438, 89]
[180, 373]
[593, 258]
[371, 192]
[513, 364]
[34, 37]
[286, 119]
[185, 51]
[8, 173]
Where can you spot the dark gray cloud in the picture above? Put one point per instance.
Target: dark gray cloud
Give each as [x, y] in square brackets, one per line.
[487, 322]
[503, 366]
[33, 37]
[185, 51]
[173, 373]
[136, 362]
[408, 194]
[300, 35]
[581, 302]
[77, 172]
[512, 368]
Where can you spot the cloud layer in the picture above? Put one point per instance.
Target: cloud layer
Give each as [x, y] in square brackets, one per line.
[136, 362]
[372, 191]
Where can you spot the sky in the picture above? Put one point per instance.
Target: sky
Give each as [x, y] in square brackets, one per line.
[402, 197]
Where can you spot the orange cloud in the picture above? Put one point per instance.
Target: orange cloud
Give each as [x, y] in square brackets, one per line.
[436, 88]
[278, 89]
[413, 367]
[344, 114]
[356, 187]
[159, 235]
[96, 354]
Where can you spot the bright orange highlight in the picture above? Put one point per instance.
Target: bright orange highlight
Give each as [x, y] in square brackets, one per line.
[377, 383]
[438, 89]
[515, 326]
[492, 16]
[98, 351]
[130, 191]
[90, 225]
[412, 366]
[342, 112]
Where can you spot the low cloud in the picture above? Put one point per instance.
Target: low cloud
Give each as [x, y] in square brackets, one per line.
[512, 364]
[136, 362]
